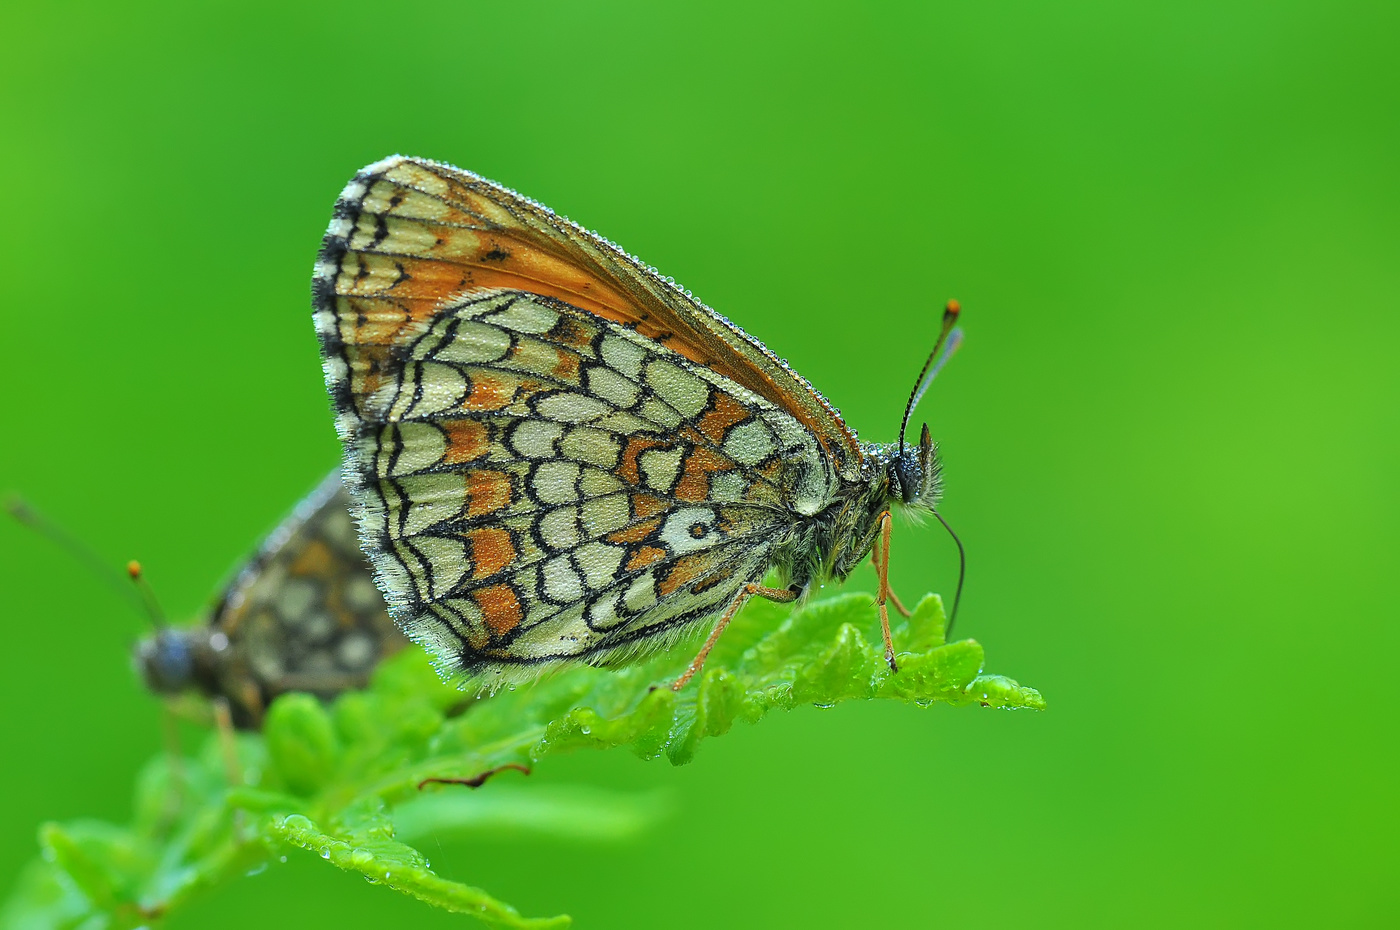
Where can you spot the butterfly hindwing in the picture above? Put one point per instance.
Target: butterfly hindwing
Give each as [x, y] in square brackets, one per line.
[539, 485]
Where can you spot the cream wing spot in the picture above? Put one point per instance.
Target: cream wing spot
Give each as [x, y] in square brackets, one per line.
[411, 203]
[340, 226]
[659, 414]
[568, 407]
[612, 387]
[596, 483]
[474, 343]
[535, 439]
[625, 424]
[561, 583]
[604, 613]
[728, 486]
[398, 237]
[640, 594]
[324, 321]
[562, 635]
[559, 528]
[428, 501]
[623, 356]
[418, 446]
[541, 359]
[689, 529]
[447, 559]
[679, 388]
[435, 388]
[603, 515]
[592, 446]
[599, 562]
[556, 482]
[750, 443]
[660, 467]
[525, 316]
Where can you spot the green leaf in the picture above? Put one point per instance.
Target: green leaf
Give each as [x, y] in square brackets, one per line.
[363, 842]
[351, 783]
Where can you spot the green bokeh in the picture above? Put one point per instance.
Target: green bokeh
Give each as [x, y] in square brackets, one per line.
[1170, 438]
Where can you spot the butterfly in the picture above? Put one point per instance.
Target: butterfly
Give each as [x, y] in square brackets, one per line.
[302, 615]
[558, 456]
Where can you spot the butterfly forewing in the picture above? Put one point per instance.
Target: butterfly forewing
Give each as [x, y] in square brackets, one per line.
[409, 235]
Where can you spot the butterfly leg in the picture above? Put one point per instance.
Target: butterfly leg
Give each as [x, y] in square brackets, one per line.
[223, 720]
[880, 556]
[179, 778]
[781, 595]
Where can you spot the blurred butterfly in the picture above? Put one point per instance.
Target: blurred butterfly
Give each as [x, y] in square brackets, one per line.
[558, 456]
[302, 615]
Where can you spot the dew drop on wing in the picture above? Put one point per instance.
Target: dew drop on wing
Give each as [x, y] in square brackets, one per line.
[820, 706]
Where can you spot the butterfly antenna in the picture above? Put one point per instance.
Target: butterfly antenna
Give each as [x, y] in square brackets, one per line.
[962, 573]
[148, 596]
[142, 599]
[936, 358]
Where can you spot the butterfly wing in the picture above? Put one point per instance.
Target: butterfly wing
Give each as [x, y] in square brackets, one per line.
[540, 485]
[410, 234]
[305, 614]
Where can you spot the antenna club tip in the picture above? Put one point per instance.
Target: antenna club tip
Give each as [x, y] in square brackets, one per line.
[133, 568]
[953, 308]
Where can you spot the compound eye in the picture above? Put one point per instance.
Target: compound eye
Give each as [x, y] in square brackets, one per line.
[907, 476]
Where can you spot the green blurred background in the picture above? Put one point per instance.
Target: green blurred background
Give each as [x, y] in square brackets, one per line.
[1170, 437]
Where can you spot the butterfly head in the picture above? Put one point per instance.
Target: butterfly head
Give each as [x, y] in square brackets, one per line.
[166, 661]
[176, 659]
[914, 473]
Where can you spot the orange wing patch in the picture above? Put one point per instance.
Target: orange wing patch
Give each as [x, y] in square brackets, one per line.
[694, 485]
[492, 550]
[500, 607]
[727, 412]
[645, 506]
[636, 532]
[315, 560]
[685, 571]
[647, 555]
[487, 492]
[467, 440]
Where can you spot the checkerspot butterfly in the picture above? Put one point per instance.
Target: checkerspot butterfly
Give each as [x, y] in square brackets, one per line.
[302, 615]
[557, 455]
